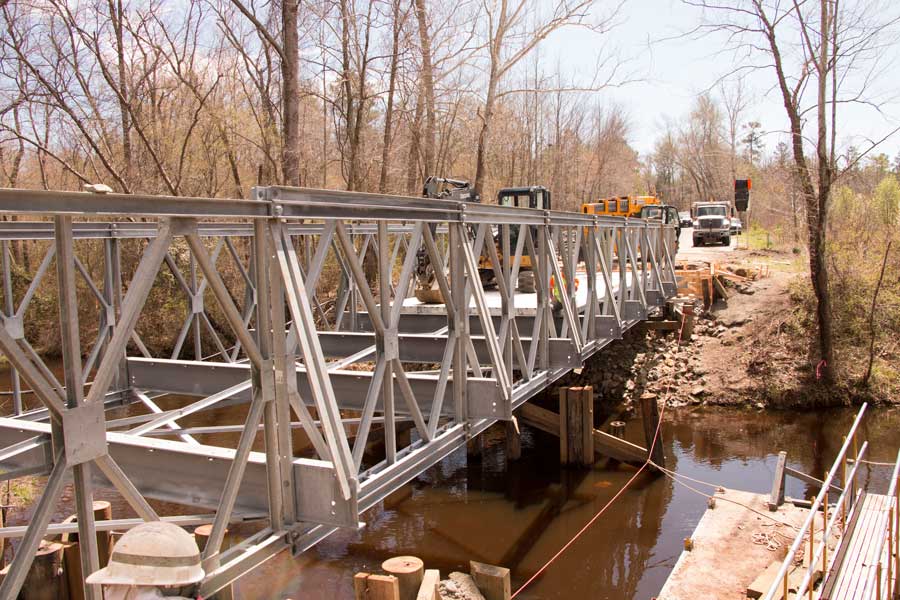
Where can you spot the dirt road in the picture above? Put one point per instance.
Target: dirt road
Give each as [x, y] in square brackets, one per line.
[686, 250]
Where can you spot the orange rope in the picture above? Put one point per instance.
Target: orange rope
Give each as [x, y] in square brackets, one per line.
[614, 498]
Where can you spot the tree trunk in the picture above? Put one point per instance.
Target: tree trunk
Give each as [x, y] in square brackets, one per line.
[115, 13]
[412, 162]
[480, 157]
[389, 111]
[428, 86]
[290, 150]
[817, 257]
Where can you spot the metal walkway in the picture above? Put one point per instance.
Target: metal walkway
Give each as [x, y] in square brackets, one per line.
[863, 561]
[866, 563]
[297, 307]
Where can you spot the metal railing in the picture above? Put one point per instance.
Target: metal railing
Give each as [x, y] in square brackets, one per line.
[818, 552]
[883, 580]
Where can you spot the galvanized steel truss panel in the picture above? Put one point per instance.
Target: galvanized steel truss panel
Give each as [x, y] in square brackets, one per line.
[299, 306]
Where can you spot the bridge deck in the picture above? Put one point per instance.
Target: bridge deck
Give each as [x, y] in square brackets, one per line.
[855, 575]
[525, 304]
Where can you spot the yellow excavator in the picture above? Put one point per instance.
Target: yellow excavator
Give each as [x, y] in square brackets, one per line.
[535, 196]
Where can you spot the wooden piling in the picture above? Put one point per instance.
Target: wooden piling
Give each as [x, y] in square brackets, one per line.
[650, 419]
[776, 498]
[576, 422]
[513, 440]
[617, 428]
[201, 536]
[474, 448]
[492, 581]
[72, 550]
[409, 571]
[44, 580]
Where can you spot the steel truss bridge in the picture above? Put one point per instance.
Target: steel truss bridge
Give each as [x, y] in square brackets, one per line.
[347, 364]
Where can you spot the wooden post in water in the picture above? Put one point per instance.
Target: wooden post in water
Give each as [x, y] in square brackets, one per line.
[409, 571]
[576, 426]
[72, 551]
[513, 440]
[776, 498]
[201, 536]
[43, 581]
[650, 419]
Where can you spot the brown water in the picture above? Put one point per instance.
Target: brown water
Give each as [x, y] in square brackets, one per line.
[520, 517]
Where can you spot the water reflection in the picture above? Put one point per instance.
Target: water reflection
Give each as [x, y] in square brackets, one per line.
[520, 518]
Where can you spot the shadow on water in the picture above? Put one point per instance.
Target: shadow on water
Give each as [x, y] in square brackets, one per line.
[519, 518]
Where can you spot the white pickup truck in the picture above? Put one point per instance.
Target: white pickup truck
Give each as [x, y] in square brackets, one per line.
[711, 223]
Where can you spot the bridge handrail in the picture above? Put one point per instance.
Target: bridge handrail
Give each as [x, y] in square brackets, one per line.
[821, 548]
[889, 535]
[780, 580]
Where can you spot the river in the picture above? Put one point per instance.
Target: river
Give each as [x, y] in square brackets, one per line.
[520, 517]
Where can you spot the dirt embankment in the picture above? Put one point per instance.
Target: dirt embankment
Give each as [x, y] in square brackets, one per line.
[745, 351]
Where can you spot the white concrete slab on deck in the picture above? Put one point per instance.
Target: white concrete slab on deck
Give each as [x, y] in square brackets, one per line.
[525, 304]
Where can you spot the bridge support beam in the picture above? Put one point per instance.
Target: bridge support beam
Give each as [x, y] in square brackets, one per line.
[576, 426]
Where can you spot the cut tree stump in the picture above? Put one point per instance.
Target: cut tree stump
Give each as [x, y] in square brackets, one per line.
[409, 571]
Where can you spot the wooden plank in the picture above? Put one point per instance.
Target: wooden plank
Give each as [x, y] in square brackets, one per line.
[776, 498]
[587, 427]
[492, 581]
[562, 423]
[764, 580]
[360, 585]
[383, 587]
[604, 443]
[720, 288]
[429, 588]
[375, 587]
[662, 325]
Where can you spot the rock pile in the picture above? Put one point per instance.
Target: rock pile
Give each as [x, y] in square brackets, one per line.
[653, 362]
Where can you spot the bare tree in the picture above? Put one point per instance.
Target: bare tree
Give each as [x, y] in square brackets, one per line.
[811, 48]
[514, 30]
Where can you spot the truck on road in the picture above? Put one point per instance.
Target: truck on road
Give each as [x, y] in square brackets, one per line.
[711, 223]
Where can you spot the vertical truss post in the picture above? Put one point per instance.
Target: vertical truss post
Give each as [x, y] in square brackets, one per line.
[508, 306]
[543, 294]
[112, 286]
[10, 310]
[264, 383]
[590, 268]
[283, 361]
[459, 320]
[381, 341]
[622, 261]
[71, 350]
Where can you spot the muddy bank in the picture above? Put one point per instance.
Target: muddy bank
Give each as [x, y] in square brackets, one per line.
[746, 351]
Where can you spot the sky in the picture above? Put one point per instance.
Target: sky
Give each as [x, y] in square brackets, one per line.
[672, 69]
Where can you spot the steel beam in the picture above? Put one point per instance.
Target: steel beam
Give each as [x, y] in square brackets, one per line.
[196, 378]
